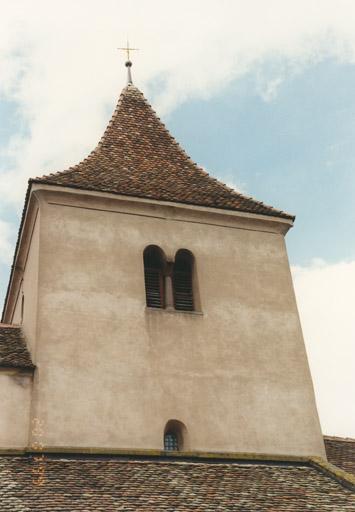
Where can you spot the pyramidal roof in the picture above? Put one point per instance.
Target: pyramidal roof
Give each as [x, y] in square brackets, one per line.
[138, 157]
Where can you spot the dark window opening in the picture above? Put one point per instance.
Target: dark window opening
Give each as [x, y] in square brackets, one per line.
[22, 307]
[171, 442]
[182, 281]
[154, 263]
[175, 436]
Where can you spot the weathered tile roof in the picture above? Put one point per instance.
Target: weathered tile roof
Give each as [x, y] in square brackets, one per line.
[62, 483]
[138, 157]
[13, 350]
[341, 452]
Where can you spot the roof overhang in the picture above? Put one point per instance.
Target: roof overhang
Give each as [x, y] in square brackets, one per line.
[28, 219]
[256, 221]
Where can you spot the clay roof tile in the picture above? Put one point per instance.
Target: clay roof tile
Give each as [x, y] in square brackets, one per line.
[137, 156]
[13, 350]
[83, 482]
[341, 452]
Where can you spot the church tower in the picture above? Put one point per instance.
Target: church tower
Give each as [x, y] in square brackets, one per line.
[157, 307]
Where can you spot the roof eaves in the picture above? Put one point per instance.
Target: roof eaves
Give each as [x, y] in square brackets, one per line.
[23, 369]
[23, 216]
[272, 211]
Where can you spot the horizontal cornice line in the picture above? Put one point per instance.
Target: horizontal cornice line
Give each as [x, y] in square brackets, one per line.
[161, 217]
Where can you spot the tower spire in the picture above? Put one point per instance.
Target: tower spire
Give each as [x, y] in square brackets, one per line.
[128, 62]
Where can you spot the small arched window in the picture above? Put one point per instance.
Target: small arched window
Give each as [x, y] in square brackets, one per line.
[182, 281]
[175, 436]
[154, 264]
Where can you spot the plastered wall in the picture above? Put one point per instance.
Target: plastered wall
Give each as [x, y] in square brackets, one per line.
[15, 394]
[111, 372]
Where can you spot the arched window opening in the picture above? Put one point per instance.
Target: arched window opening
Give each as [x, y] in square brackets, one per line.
[175, 435]
[182, 281]
[154, 263]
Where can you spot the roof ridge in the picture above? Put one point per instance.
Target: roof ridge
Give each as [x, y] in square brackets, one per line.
[190, 454]
[341, 439]
[115, 112]
[343, 477]
[73, 167]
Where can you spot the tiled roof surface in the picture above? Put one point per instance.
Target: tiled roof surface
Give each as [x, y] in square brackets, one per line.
[13, 350]
[90, 483]
[138, 157]
[341, 452]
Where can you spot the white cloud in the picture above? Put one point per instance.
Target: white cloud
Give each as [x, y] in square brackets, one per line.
[326, 300]
[58, 61]
[6, 245]
[229, 179]
[235, 186]
[268, 87]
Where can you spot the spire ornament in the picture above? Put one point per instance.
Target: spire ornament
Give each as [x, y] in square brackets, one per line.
[128, 62]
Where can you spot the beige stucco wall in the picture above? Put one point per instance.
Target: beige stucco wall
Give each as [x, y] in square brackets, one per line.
[111, 372]
[29, 288]
[15, 395]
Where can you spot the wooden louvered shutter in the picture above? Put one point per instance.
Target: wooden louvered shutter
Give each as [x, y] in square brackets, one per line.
[154, 277]
[154, 289]
[182, 281]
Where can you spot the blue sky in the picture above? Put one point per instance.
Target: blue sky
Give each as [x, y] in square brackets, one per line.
[259, 93]
[295, 152]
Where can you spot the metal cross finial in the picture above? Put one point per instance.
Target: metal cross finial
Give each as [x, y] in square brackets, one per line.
[128, 49]
[128, 61]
